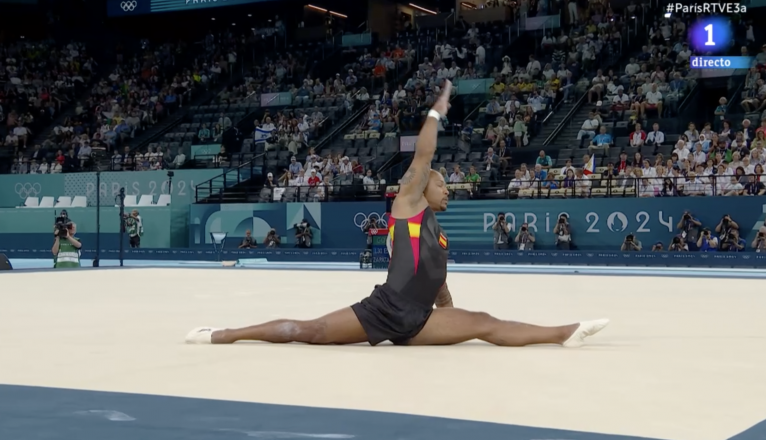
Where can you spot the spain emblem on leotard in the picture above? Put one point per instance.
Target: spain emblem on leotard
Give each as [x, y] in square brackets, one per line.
[442, 240]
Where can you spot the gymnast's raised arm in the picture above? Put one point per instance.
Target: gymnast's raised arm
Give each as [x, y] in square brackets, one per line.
[414, 181]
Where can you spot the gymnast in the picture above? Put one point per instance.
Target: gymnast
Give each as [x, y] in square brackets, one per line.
[414, 305]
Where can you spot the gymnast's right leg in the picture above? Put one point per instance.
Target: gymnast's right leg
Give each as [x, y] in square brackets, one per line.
[339, 327]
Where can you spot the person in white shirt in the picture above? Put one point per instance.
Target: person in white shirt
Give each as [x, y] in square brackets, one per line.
[681, 151]
[301, 179]
[517, 182]
[698, 157]
[646, 189]
[589, 127]
[481, 54]
[582, 183]
[454, 71]
[733, 187]
[369, 182]
[684, 55]
[655, 137]
[533, 66]
[457, 176]
[748, 166]
[345, 167]
[694, 186]
[566, 168]
[535, 101]
[180, 159]
[400, 93]
[678, 179]
[736, 161]
[716, 185]
[631, 69]
[653, 101]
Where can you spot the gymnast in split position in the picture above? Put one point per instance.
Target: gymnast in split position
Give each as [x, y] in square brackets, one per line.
[402, 310]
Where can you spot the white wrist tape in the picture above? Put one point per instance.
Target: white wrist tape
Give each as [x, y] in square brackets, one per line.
[434, 114]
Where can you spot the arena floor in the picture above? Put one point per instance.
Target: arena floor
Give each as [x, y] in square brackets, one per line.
[99, 354]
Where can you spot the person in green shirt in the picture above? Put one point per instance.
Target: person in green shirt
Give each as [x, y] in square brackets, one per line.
[474, 178]
[66, 248]
[134, 228]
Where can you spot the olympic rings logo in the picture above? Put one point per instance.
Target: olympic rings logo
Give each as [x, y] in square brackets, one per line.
[25, 190]
[361, 220]
[129, 6]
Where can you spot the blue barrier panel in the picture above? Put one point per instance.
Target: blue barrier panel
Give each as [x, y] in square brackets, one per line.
[334, 225]
[571, 258]
[597, 224]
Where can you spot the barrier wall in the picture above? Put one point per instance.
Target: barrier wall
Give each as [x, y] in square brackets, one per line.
[22, 228]
[654, 259]
[15, 188]
[597, 224]
[335, 225]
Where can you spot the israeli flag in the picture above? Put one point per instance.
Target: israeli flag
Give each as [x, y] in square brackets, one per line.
[261, 135]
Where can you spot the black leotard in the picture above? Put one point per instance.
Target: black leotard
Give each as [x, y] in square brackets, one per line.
[398, 309]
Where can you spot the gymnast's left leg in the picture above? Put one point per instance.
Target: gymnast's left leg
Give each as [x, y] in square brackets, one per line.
[339, 327]
[447, 326]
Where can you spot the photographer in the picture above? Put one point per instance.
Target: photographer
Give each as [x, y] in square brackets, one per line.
[725, 228]
[303, 234]
[733, 242]
[759, 243]
[502, 231]
[525, 239]
[66, 248]
[563, 233]
[370, 226]
[707, 242]
[658, 247]
[134, 228]
[272, 240]
[248, 242]
[631, 244]
[678, 245]
[690, 229]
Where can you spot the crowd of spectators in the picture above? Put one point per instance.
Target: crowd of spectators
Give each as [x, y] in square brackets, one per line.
[146, 86]
[38, 80]
[523, 95]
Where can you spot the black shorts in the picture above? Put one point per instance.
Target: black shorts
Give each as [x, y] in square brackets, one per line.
[388, 316]
[135, 241]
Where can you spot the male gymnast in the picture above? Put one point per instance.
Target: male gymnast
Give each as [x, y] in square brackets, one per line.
[402, 310]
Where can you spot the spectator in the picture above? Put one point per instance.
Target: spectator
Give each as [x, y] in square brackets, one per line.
[601, 141]
[588, 128]
[179, 160]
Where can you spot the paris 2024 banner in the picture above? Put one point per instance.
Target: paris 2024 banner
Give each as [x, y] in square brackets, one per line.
[597, 224]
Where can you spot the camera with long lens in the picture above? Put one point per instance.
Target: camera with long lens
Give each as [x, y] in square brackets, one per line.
[62, 225]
